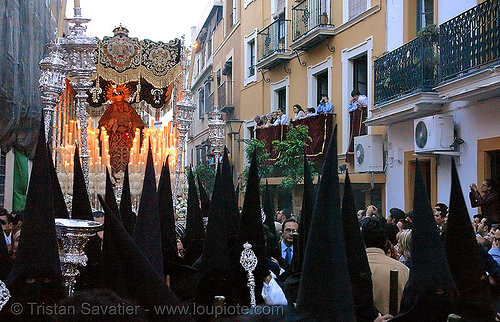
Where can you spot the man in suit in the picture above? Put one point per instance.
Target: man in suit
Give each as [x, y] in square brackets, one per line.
[290, 226]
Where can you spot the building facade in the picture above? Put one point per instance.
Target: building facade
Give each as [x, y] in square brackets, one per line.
[437, 92]
[281, 53]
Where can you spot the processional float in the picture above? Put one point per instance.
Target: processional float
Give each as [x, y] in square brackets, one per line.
[117, 80]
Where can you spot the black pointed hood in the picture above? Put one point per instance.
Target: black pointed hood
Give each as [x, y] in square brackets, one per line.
[110, 196]
[325, 291]
[37, 256]
[233, 215]
[137, 279]
[204, 199]
[128, 216]
[195, 231]
[217, 277]
[359, 269]
[167, 219]
[430, 293]
[81, 208]
[251, 232]
[60, 208]
[147, 231]
[215, 248]
[469, 275]
[194, 221]
[307, 206]
[272, 240]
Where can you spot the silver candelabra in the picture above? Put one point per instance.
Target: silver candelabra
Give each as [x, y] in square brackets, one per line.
[72, 235]
[80, 57]
[183, 120]
[52, 83]
[216, 126]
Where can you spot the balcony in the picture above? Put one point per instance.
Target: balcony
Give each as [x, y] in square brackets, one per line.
[311, 24]
[408, 69]
[271, 45]
[225, 92]
[460, 60]
[404, 82]
[320, 130]
[470, 54]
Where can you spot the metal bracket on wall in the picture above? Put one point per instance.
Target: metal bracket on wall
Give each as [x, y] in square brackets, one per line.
[330, 48]
[266, 80]
[301, 62]
[287, 70]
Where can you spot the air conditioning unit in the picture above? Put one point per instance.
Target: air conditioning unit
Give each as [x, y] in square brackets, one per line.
[368, 153]
[433, 133]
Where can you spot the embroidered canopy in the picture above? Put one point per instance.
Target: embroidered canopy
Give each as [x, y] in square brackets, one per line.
[147, 68]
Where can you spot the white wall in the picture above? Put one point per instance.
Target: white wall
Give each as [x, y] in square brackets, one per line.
[399, 135]
[478, 121]
[451, 8]
[475, 122]
[394, 24]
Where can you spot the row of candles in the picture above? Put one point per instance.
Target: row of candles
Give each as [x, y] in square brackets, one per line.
[163, 142]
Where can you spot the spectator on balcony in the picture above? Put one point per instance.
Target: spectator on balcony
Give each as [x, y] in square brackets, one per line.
[258, 121]
[325, 107]
[282, 118]
[264, 121]
[311, 111]
[299, 112]
[357, 115]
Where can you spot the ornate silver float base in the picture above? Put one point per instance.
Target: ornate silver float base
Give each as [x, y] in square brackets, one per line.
[72, 235]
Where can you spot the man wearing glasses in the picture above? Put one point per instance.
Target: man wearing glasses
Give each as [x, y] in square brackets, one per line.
[290, 227]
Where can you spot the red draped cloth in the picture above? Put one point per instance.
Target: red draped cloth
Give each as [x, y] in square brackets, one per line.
[357, 117]
[270, 134]
[320, 130]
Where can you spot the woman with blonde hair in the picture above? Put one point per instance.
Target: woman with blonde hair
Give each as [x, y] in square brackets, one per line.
[404, 246]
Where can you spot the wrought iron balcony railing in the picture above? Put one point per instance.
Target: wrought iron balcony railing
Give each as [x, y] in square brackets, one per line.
[470, 40]
[307, 15]
[409, 68]
[225, 92]
[272, 39]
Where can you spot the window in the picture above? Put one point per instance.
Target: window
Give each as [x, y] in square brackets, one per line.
[356, 7]
[201, 103]
[251, 63]
[319, 82]
[353, 8]
[494, 157]
[360, 74]
[279, 94]
[322, 86]
[278, 8]
[209, 97]
[250, 58]
[425, 13]
[281, 98]
[202, 154]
